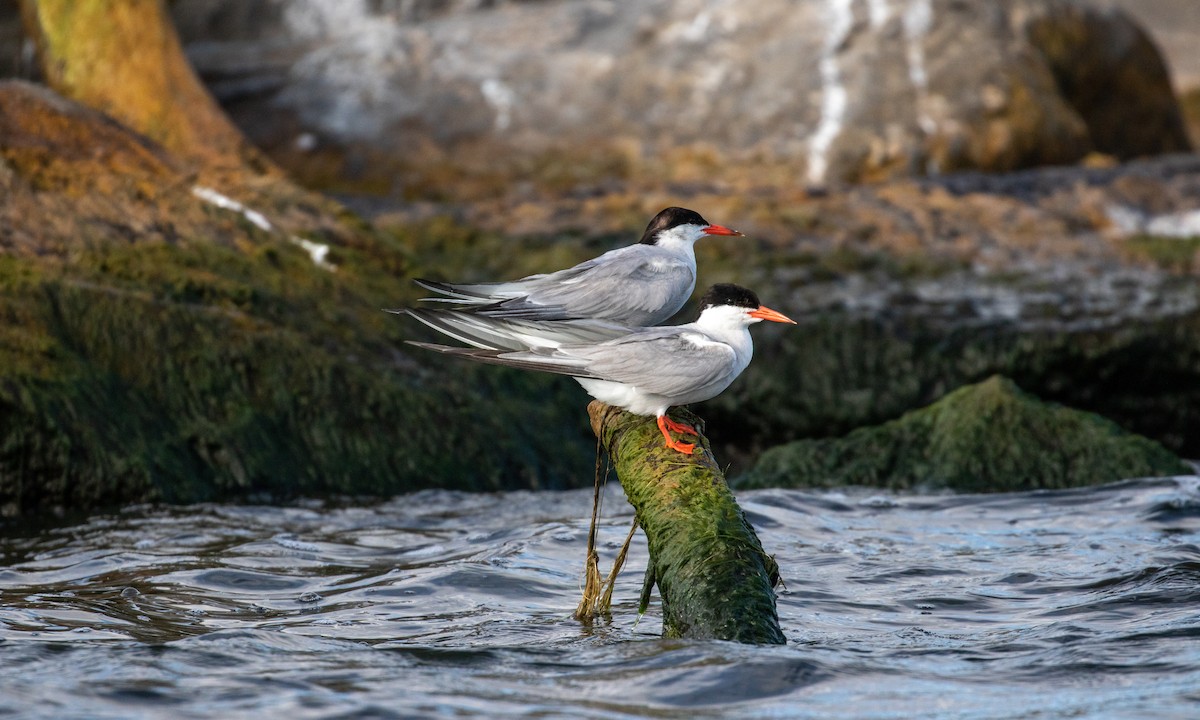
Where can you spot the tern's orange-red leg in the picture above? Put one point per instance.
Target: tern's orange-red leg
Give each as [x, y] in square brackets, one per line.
[680, 427]
[685, 448]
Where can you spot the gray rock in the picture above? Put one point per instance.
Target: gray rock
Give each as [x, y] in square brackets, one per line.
[838, 90]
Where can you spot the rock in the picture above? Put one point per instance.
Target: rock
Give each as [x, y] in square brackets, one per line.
[837, 90]
[911, 290]
[990, 437]
[161, 341]
[843, 373]
[76, 173]
[131, 66]
[1110, 71]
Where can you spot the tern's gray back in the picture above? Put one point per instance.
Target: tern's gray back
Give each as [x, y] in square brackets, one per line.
[637, 286]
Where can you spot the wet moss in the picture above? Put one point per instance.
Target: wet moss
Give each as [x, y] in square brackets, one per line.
[195, 371]
[158, 347]
[989, 437]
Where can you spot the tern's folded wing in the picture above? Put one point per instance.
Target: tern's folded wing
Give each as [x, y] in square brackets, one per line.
[668, 363]
[550, 362]
[491, 333]
[619, 285]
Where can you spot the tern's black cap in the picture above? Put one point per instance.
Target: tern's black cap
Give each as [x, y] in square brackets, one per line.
[669, 218]
[728, 294]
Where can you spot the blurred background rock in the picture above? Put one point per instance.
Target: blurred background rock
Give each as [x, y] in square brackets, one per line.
[436, 100]
[382, 93]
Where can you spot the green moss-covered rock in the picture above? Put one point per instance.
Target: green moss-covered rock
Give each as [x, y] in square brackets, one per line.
[157, 346]
[905, 291]
[988, 437]
[193, 373]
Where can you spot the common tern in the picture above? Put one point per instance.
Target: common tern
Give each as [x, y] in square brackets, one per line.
[636, 286]
[645, 371]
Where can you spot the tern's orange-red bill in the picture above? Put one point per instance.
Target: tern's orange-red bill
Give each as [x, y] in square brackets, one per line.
[765, 313]
[719, 230]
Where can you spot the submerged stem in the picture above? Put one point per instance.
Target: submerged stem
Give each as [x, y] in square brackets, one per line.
[589, 604]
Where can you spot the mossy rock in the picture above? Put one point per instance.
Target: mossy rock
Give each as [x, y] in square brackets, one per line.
[156, 347]
[196, 373]
[988, 437]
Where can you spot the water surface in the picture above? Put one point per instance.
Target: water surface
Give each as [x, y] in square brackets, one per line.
[1067, 604]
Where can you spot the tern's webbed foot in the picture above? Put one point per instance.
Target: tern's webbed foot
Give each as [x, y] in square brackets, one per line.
[679, 427]
[685, 448]
[665, 424]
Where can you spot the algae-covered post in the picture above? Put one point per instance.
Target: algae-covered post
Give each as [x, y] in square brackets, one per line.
[714, 577]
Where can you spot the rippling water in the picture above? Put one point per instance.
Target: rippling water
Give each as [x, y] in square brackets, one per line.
[1036, 605]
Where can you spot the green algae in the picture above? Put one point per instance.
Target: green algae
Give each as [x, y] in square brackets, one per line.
[195, 371]
[989, 437]
[715, 579]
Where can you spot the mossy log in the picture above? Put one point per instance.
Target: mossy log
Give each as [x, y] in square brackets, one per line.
[715, 580]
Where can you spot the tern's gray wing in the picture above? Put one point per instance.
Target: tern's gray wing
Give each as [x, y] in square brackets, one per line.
[540, 359]
[664, 361]
[670, 363]
[491, 333]
[634, 286]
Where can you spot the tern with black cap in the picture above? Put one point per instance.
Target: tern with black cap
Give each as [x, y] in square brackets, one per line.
[645, 370]
[635, 286]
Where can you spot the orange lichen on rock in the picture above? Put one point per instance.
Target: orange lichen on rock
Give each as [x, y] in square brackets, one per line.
[64, 146]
